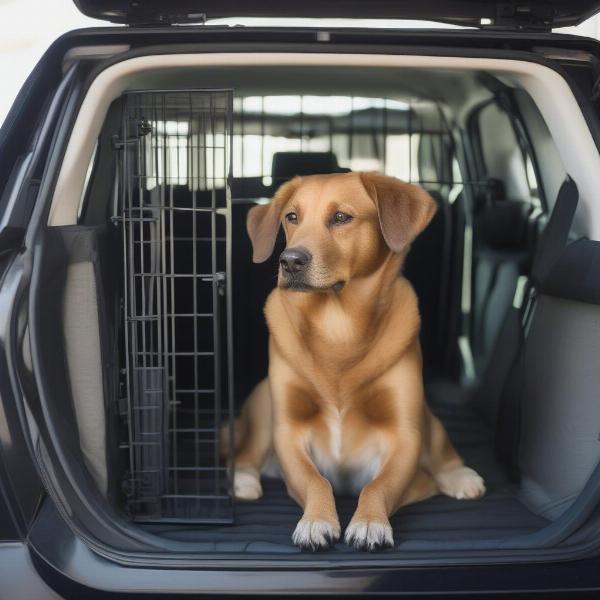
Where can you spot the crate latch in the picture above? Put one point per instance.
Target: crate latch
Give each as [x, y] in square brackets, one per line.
[220, 278]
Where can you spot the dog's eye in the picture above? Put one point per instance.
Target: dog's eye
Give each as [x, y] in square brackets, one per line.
[291, 217]
[340, 217]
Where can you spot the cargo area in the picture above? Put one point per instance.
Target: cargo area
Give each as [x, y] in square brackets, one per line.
[153, 323]
[266, 525]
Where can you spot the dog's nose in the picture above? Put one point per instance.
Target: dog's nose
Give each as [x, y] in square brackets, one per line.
[294, 260]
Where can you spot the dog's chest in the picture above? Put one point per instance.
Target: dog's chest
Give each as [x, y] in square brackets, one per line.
[335, 323]
[346, 461]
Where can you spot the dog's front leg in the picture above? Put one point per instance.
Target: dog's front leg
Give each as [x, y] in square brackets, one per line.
[319, 526]
[294, 415]
[400, 480]
[370, 527]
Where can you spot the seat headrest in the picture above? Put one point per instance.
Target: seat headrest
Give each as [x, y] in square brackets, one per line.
[289, 164]
[501, 225]
[495, 190]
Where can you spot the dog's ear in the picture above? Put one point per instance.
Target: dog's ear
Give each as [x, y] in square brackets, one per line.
[404, 209]
[263, 220]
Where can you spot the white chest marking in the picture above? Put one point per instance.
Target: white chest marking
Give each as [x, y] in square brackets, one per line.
[334, 423]
[346, 473]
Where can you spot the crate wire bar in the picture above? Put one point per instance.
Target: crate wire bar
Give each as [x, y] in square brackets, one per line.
[175, 215]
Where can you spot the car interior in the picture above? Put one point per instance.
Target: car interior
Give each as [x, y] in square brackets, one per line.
[504, 277]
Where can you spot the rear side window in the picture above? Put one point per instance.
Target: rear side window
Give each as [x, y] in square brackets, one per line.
[505, 157]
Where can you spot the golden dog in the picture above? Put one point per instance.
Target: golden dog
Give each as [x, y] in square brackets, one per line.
[343, 406]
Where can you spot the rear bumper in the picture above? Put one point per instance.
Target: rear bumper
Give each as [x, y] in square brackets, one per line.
[58, 564]
[19, 576]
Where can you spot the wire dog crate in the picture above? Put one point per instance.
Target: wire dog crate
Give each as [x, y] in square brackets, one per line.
[175, 214]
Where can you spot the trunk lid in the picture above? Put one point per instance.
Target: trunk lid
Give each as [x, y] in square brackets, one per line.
[528, 14]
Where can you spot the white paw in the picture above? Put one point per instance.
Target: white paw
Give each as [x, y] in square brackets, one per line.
[246, 485]
[461, 483]
[369, 535]
[315, 535]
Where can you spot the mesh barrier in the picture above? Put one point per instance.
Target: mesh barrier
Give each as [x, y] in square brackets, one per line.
[175, 215]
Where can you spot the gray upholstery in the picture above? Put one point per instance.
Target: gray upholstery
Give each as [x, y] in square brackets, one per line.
[496, 276]
[82, 344]
[560, 406]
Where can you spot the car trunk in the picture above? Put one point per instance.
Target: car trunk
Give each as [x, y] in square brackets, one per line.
[149, 333]
[187, 433]
[265, 526]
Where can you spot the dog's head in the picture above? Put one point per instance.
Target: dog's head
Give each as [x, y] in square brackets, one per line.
[338, 227]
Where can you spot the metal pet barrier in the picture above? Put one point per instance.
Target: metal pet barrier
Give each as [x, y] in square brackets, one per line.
[174, 153]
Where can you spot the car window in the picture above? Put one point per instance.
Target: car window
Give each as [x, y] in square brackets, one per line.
[365, 134]
[502, 157]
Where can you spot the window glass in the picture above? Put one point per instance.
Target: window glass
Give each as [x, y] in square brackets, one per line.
[504, 157]
[363, 134]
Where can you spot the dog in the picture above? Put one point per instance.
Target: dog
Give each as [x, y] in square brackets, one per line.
[343, 407]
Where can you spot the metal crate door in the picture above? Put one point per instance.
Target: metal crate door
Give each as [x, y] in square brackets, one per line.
[175, 213]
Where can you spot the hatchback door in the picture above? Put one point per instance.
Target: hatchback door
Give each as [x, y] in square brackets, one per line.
[538, 14]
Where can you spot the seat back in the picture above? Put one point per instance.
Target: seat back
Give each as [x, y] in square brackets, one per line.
[559, 416]
[427, 268]
[504, 239]
[548, 413]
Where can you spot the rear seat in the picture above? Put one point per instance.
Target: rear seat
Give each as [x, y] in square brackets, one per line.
[558, 413]
[504, 238]
[547, 429]
[539, 395]
[502, 253]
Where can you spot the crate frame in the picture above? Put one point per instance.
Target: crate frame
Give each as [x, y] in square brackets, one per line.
[153, 483]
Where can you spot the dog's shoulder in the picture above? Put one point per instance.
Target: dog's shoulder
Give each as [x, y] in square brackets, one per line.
[405, 300]
[403, 324]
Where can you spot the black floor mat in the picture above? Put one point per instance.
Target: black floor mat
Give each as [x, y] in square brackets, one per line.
[266, 525]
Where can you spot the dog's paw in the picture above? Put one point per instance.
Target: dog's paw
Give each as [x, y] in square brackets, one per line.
[369, 535]
[246, 485]
[461, 483]
[315, 534]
